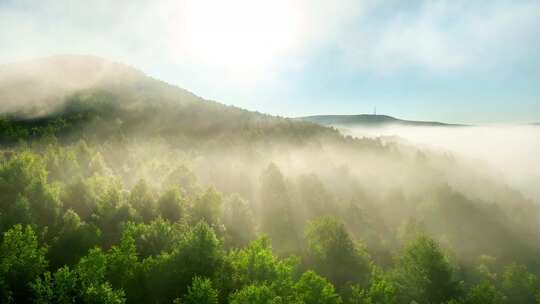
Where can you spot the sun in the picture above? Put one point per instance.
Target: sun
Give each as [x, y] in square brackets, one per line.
[244, 35]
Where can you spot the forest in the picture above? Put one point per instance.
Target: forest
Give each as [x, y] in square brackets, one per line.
[135, 191]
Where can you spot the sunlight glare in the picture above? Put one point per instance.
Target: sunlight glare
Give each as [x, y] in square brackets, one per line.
[244, 35]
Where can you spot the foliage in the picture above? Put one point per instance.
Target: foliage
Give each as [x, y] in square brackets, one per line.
[21, 261]
[334, 254]
[312, 288]
[424, 274]
[200, 292]
[144, 193]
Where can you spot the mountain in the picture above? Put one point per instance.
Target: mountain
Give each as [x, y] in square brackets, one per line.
[368, 120]
[95, 98]
[137, 191]
[41, 86]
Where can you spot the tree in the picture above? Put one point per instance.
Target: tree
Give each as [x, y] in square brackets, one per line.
[238, 221]
[66, 286]
[256, 294]
[198, 253]
[81, 197]
[155, 237]
[86, 283]
[74, 240]
[334, 254]
[171, 205]
[22, 260]
[183, 178]
[142, 200]
[24, 192]
[208, 207]
[485, 293]
[112, 212]
[380, 291]
[519, 285]
[122, 262]
[314, 289]
[277, 213]
[200, 292]
[424, 274]
[18, 175]
[256, 264]
[315, 199]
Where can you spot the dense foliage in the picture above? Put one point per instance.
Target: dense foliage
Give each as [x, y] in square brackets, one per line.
[105, 201]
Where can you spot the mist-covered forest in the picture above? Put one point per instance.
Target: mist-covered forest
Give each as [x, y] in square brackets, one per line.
[119, 188]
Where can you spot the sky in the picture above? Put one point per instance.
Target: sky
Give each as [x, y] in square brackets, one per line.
[454, 61]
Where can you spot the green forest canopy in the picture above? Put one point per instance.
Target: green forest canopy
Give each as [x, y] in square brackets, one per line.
[134, 191]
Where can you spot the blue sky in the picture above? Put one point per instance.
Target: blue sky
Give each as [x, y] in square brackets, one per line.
[455, 61]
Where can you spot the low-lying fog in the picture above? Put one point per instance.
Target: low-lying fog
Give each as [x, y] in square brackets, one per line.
[512, 150]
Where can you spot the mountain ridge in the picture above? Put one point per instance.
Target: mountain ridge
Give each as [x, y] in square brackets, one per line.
[372, 120]
[105, 99]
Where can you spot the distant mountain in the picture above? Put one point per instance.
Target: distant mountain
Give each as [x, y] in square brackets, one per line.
[94, 98]
[369, 120]
[38, 87]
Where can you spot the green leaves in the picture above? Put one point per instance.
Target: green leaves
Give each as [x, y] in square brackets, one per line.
[25, 196]
[87, 282]
[485, 293]
[314, 289]
[208, 207]
[381, 290]
[111, 239]
[334, 254]
[519, 284]
[256, 264]
[22, 260]
[257, 294]
[142, 199]
[76, 286]
[277, 214]
[172, 205]
[200, 292]
[424, 274]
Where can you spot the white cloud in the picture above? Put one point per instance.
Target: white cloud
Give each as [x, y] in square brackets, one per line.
[242, 40]
[237, 39]
[442, 36]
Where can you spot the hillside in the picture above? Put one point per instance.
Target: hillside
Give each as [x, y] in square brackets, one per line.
[119, 188]
[101, 99]
[369, 120]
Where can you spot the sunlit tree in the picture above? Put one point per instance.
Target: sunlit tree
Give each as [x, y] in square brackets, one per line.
[22, 260]
[424, 274]
[334, 253]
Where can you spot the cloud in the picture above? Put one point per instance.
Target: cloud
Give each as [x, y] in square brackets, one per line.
[241, 36]
[444, 36]
[253, 40]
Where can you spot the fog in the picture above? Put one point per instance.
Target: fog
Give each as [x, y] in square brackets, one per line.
[39, 86]
[124, 155]
[511, 150]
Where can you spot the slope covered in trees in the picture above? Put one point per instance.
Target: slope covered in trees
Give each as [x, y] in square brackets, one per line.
[368, 120]
[124, 189]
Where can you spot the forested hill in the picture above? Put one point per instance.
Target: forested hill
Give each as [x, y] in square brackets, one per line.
[119, 188]
[99, 99]
[368, 120]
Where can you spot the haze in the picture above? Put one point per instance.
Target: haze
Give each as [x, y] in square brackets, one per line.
[511, 150]
[223, 152]
[453, 61]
